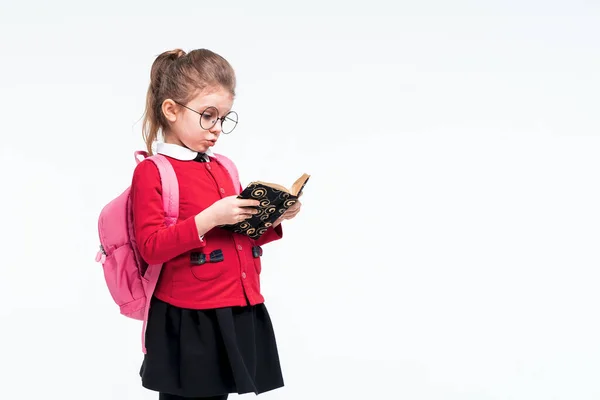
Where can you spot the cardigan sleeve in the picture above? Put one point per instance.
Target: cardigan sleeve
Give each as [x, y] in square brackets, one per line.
[156, 242]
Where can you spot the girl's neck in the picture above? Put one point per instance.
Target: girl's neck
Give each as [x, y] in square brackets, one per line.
[172, 139]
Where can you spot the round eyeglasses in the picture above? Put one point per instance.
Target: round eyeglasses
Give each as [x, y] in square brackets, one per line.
[210, 116]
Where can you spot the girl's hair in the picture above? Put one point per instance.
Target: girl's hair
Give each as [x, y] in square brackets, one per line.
[179, 76]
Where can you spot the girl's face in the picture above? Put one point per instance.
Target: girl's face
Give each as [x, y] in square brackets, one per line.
[185, 127]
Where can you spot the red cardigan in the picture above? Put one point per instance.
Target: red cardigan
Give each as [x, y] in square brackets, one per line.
[234, 281]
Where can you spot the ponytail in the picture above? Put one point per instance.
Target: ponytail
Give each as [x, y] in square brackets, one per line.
[153, 117]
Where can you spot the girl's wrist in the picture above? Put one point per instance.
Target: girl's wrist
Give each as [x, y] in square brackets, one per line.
[277, 222]
[204, 222]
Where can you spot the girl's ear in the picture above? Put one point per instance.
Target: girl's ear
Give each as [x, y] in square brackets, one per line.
[169, 109]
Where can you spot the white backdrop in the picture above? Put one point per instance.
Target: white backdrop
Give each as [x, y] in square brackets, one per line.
[448, 243]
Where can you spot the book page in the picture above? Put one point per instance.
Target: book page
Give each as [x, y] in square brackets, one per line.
[299, 184]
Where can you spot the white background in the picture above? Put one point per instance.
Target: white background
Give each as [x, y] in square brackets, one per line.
[448, 243]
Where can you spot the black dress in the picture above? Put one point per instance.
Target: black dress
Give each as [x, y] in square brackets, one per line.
[202, 353]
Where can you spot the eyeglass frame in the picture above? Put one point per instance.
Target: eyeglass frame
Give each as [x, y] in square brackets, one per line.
[222, 119]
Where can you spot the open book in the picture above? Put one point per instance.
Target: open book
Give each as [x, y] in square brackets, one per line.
[274, 201]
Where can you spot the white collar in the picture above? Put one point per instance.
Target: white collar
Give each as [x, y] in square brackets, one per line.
[178, 152]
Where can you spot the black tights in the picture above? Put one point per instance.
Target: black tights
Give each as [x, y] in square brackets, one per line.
[165, 396]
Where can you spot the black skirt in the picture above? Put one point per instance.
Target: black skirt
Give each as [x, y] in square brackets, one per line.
[202, 353]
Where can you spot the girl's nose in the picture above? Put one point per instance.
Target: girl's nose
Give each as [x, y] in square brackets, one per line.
[216, 129]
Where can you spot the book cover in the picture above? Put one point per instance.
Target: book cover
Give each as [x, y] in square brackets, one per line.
[274, 201]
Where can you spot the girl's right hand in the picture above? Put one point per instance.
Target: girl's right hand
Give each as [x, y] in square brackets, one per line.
[231, 210]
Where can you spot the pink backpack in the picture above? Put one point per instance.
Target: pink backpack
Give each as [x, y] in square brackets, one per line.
[130, 280]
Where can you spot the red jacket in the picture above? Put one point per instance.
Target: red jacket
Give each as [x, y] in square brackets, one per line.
[234, 281]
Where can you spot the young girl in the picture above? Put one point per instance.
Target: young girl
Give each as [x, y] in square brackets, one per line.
[209, 333]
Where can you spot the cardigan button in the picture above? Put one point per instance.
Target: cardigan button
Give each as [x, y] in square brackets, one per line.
[243, 275]
[239, 247]
[208, 167]
[222, 190]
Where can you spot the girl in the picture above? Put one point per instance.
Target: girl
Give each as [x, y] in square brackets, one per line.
[209, 333]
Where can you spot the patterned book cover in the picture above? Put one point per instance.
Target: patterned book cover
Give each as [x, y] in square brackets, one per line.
[274, 201]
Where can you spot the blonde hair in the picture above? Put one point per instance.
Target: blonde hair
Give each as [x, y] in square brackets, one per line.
[179, 76]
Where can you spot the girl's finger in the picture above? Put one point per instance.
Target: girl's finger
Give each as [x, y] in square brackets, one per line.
[292, 214]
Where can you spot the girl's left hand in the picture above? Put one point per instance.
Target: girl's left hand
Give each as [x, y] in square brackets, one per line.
[289, 213]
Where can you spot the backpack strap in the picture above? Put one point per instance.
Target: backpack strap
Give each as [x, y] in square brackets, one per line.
[231, 168]
[170, 197]
[138, 153]
[170, 187]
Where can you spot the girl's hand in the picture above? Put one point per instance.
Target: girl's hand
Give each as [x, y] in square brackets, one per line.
[231, 210]
[289, 213]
